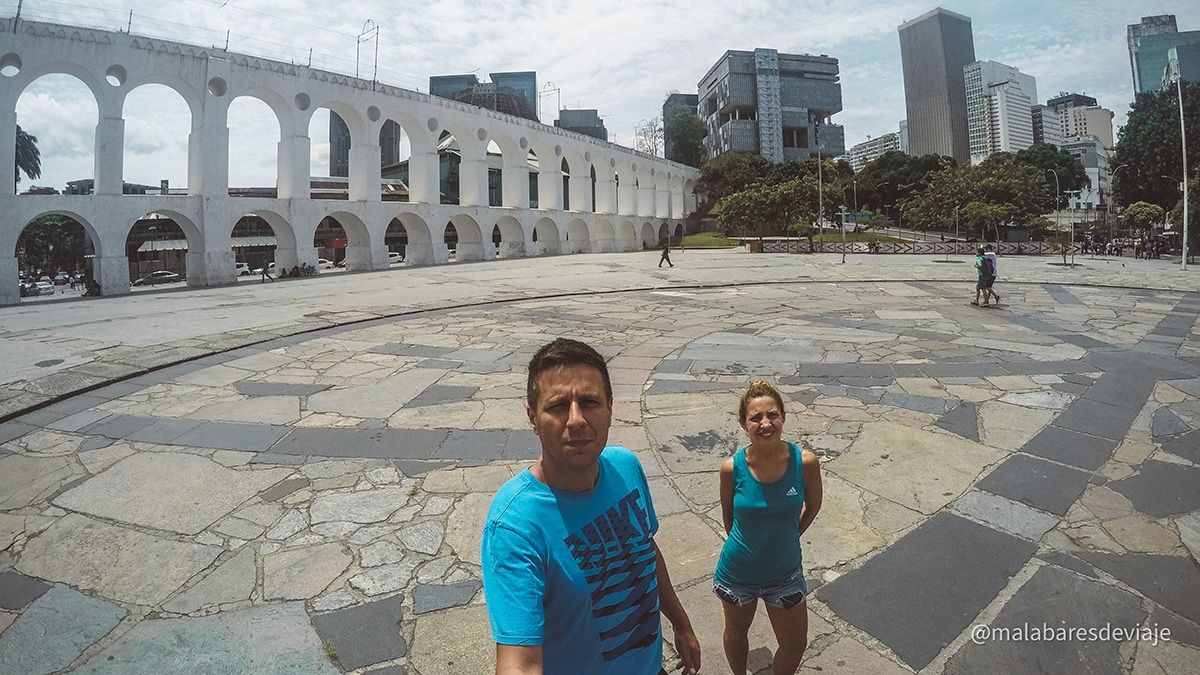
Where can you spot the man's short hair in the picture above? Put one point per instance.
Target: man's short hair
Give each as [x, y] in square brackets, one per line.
[563, 352]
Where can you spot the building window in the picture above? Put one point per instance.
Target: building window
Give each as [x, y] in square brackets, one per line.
[795, 137]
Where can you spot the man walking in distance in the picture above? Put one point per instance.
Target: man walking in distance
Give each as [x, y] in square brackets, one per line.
[983, 266]
[989, 252]
[573, 578]
[266, 272]
[666, 253]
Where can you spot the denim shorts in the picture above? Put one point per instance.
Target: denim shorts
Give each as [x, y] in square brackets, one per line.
[785, 594]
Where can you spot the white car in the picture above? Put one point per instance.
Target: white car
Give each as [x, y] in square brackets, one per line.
[242, 269]
[323, 264]
[257, 271]
[395, 258]
[45, 288]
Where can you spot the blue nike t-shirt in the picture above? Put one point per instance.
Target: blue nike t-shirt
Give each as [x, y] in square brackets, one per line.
[575, 572]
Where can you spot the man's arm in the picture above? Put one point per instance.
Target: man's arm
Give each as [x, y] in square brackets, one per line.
[686, 643]
[518, 659]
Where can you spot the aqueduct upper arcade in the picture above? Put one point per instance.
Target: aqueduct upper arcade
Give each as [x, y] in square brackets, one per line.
[615, 198]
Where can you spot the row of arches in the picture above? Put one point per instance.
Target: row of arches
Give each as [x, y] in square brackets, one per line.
[388, 156]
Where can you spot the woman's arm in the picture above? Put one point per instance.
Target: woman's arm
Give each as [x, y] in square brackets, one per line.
[727, 494]
[812, 489]
[518, 660]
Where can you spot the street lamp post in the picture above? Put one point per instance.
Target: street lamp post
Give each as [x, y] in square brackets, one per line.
[843, 234]
[1057, 210]
[1174, 66]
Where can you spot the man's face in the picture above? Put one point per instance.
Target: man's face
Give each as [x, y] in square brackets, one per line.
[572, 416]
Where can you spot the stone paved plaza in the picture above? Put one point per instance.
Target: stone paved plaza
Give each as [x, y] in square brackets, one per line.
[292, 477]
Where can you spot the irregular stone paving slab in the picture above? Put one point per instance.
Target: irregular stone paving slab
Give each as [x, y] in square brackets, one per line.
[1052, 400]
[454, 642]
[10, 527]
[55, 630]
[441, 393]
[363, 635]
[232, 436]
[962, 420]
[365, 506]
[916, 603]
[374, 443]
[283, 488]
[195, 491]
[164, 430]
[386, 579]
[847, 656]
[922, 470]
[118, 426]
[1056, 598]
[520, 445]
[1070, 562]
[378, 400]
[1040, 484]
[433, 597]
[274, 638]
[113, 561]
[1186, 446]
[1097, 419]
[233, 581]
[925, 404]
[18, 590]
[15, 429]
[1071, 447]
[1005, 514]
[27, 480]
[1162, 489]
[476, 447]
[278, 389]
[1167, 423]
[301, 573]
[424, 538]
[1171, 581]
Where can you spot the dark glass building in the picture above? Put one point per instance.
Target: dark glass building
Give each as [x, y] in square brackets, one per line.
[934, 48]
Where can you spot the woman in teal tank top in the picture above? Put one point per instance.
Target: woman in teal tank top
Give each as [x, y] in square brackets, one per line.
[770, 493]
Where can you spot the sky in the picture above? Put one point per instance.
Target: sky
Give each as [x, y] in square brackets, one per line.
[621, 57]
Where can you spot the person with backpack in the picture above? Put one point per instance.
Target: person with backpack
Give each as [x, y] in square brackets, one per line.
[989, 252]
[986, 269]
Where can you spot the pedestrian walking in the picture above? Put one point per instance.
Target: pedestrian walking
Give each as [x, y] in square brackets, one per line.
[573, 578]
[770, 494]
[989, 252]
[266, 270]
[666, 254]
[983, 267]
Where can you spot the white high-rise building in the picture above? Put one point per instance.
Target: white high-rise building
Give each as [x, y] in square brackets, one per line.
[872, 149]
[1046, 127]
[1000, 102]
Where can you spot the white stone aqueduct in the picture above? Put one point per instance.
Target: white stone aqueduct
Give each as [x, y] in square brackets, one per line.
[634, 192]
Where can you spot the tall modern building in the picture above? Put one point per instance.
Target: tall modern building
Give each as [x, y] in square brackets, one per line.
[1079, 116]
[1000, 102]
[582, 121]
[676, 101]
[511, 93]
[1149, 43]
[871, 149]
[1046, 128]
[1188, 59]
[904, 137]
[1094, 156]
[934, 49]
[390, 150]
[776, 105]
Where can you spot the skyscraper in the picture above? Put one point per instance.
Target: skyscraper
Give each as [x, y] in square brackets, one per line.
[1079, 116]
[1046, 128]
[1000, 102]
[934, 48]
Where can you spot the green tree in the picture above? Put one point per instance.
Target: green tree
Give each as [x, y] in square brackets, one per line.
[1002, 190]
[684, 132]
[1048, 158]
[1148, 149]
[1142, 215]
[895, 176]
[29, 158]
[731, 172]
[51, 243]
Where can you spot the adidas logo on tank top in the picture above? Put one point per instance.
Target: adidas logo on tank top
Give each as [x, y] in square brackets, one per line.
[791, 492]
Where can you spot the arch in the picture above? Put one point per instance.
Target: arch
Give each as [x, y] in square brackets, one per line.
[449, 168]
[157, 142]
[649, 238]
[664, 231]
[627, 237]
[512, 238]
[180, 86]
[565, 171]
[78, 250]
[81, 118]
[578, 238]
[281, 108]
[259, 238]
[88, 228]
[606, 237]
[354, 246]
[546, 237]
[153, 244]
[255, 143]
[531, 158]
[677, 233]
[31, 74]
[495, 173]
[469, 245]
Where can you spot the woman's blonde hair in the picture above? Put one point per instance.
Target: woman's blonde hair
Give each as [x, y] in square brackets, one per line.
[757, 389]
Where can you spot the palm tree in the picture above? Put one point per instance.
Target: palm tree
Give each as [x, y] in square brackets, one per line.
[29, 158]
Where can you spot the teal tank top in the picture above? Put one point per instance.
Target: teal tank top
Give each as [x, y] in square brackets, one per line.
[763, 546]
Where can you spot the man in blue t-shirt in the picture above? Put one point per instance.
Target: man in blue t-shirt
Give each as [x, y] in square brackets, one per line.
[573, 579]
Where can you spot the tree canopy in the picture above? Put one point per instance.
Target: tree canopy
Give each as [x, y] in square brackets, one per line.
[991, 195]
[29, 158]
[685, 132]
[895, 176]
[1142, 215]
[1048, 158]
[1148, 160]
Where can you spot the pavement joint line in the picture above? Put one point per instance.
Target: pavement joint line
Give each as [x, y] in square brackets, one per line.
[502, 301]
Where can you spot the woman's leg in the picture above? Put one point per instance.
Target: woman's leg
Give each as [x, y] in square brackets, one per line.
[791, 630]
[737, 628]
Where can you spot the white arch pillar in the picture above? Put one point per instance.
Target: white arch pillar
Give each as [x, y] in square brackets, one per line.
[627, 198]
[645, 207]
[515, 183]
[581, 191]
[549, 188]
[472, 180]
[110, 148]
[606, 195]
[364, 173]
[10, 294]
[677, 206]
[662, 202]
[8, 160]
[424, 179]
[294, 167]
[208, 153]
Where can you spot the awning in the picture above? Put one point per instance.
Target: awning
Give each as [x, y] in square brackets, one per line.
[181, 244]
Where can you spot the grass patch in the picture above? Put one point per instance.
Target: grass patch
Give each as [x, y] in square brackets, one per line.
[703, 239]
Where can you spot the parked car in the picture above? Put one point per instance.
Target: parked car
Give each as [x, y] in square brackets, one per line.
[159, 277]
[323, 264]
[395, 258]
[44, 288]
[257, 271]
[242, 269]
[341, 264]
[62, 278]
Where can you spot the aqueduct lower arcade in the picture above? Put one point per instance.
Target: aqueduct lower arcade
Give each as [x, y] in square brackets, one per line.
[591, 196]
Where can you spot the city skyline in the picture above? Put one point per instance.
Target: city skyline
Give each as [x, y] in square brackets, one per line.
[621, 63]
